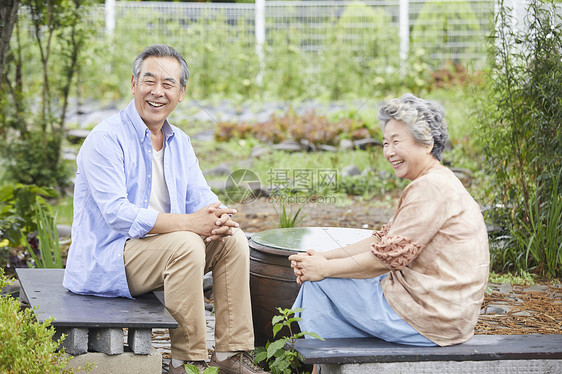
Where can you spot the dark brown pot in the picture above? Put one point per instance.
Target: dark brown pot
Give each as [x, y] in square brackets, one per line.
[272, 284]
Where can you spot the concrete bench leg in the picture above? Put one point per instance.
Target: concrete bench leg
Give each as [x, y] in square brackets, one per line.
[140, 341]
[106, 340]
[76, 341]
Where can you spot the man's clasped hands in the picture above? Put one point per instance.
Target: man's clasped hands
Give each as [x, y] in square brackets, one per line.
[216, 223]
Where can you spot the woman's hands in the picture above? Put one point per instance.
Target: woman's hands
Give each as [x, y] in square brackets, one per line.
[353, 261]
[309, 266]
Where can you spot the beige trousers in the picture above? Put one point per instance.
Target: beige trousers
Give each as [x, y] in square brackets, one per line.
[177, 261]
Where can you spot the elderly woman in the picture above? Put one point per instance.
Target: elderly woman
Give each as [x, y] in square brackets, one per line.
[420, 279]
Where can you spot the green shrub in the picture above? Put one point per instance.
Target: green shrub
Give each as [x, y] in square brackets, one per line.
[221, 57]
[541, 235]
[441, 26]
[18, 204]
[47, 233]
[360, 53]
[284, 74]
[27, 346]
[519, 128]
[370, 184]
[34, 158]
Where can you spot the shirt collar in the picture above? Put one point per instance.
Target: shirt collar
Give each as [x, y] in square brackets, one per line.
[140, 127]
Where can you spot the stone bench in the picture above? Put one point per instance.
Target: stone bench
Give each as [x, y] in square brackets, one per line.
[91, 323]
[482, 354]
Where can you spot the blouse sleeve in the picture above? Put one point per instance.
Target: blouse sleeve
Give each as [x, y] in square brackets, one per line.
[378, 235]
[396, 252]
[420, 215]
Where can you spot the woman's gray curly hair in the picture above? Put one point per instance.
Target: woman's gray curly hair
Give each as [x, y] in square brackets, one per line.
[424, 120]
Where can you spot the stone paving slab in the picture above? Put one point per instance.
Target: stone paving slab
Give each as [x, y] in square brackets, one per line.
[127, 362]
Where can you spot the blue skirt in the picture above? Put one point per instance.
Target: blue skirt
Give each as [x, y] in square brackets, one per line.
[353, 308]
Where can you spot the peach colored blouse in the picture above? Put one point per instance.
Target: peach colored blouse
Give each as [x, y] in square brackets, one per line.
[436, 247]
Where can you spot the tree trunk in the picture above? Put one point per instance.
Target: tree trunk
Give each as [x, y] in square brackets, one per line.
[8, 18]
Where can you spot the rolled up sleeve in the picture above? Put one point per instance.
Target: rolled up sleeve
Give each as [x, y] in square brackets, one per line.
[143, 223]
[396, 252]
[419, 216]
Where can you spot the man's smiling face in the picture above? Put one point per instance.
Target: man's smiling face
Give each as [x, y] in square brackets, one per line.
[158, 89]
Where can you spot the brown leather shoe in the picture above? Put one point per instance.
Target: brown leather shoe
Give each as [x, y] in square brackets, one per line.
[239, 363]
[201, 365]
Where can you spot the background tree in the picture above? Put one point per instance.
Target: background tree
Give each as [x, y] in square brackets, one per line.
[50, 34]
[8, 18]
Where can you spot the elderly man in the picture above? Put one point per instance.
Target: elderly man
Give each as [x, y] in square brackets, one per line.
[145, 218]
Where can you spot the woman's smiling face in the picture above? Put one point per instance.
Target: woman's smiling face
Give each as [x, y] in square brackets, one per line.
[408, 157]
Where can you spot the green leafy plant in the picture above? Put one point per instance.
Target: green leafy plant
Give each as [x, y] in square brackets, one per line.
[519, 129]
[287, 219]
[314, 128]
[358, 58]
[442, 27]
[193, 369]
[49, 247]
[18, 204]
[525, 279]
[284, 59]
[27, 346]
[280, 355]
[371, 184]
[543, 232]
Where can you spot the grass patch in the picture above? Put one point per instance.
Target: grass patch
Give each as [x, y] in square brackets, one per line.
[62, 209]
[524, 279]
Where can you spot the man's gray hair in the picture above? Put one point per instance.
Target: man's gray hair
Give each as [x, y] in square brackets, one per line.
[424, 120]
[161, 50]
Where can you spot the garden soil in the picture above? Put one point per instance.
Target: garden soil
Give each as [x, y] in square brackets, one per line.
[263, 214]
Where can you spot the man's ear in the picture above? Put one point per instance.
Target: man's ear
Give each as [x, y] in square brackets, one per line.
[133, 84]
[182, 92]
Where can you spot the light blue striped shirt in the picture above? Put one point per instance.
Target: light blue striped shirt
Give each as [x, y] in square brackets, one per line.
[111, 196]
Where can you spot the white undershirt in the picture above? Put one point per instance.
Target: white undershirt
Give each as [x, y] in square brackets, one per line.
[159, 196]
